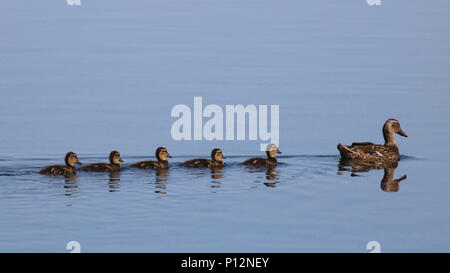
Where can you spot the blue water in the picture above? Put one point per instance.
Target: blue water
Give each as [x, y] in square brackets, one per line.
[105, 75]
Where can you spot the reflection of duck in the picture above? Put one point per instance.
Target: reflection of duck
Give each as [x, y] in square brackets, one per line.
[161, 175]
[71, 159]
[388, 183]
[113, 166]
[161, 155]
[216, 173]
[271, 175]
[358, 166]
[374, 152]
[114, 182]
[160, 181]
[70, 185]
[216, 160]
[270, 161]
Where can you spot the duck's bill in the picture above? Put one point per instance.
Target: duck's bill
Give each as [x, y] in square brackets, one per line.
[169, 156]
[121, 160]
[79, 163]
[402, 133]
[279, 152]
[224, 157]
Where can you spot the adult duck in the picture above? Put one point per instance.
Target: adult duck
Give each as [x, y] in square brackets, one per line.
[376, 152]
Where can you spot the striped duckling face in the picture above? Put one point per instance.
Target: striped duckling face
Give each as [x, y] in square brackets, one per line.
[162, 154]
[114, 157]
[271, 150]
[71, 159]
[217, 155]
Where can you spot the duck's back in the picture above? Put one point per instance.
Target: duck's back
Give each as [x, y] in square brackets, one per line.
[198, 163]
[149, 164]
[101, 167]
[58, 170]
[259, 162]
[368, 151]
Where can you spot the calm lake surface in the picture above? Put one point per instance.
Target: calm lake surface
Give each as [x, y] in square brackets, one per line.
[105, 75]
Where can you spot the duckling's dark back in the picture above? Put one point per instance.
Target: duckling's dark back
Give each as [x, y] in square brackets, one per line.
[101, 167]
[58, 170]
[198, 163]
[260, 162]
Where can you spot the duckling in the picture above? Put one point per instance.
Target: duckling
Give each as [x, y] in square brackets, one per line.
[216, 156]
[161, 155]
[114, 166]
[71, 159]
[375, 152]
[270, 161]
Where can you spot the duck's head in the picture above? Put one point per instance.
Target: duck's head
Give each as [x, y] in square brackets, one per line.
[390, 128]
[114, 157]
[71, 159]
[217, 155]
[271, 150]
[162, 154]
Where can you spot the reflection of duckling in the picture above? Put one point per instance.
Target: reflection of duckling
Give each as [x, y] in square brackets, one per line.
[270, 161]
[161, 155]
[216, 156]
[388, 183]
[375, 152]
[161, 175]
[114, 182]
[113, 166]
[161, 180]
[70, 185]
[271, 175]
[71, 159]
[216, 173]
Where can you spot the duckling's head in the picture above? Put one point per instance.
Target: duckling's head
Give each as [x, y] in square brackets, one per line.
[271, 150]
[71, 159]
[114, 157]
[217, 155]
[162, 154]
[390, 128]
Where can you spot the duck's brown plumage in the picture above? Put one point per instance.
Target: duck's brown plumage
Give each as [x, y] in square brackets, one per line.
[69, 169]
[113, 166]
[270, 162]
[162, 163]
[375, 152]
[216, 161]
